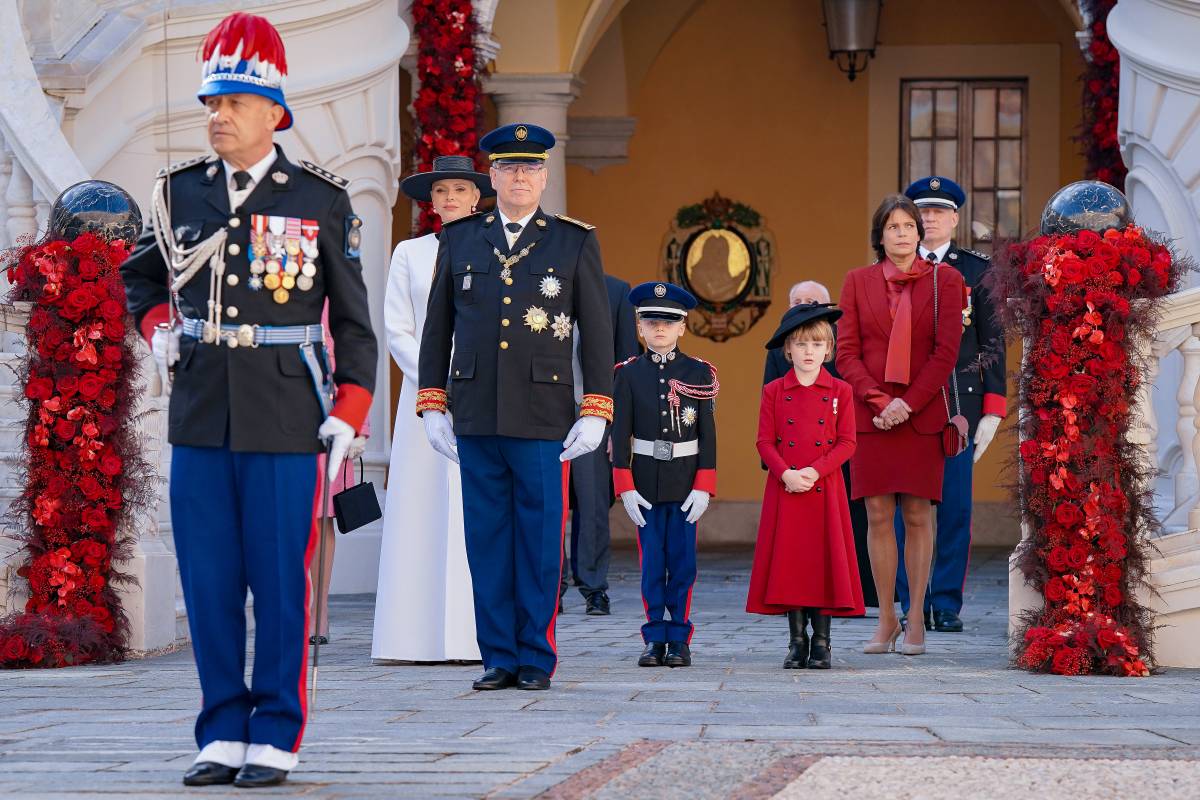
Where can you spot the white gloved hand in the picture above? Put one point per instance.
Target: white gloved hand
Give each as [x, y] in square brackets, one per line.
[440, 434]
[697, 502]
[632, 500]
[985, 433]
[357, 448]
[164, 344]
[585, 436]
[337, 435]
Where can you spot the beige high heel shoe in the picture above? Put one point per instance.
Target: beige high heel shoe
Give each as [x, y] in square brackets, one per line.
[907, 649]
[878, 648]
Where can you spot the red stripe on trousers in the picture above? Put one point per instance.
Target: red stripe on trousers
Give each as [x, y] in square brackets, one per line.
[313, 534]
[562, 532]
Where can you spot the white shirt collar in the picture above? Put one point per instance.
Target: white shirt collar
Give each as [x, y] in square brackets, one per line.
[257, 173]
[940, 252]
[523, 221]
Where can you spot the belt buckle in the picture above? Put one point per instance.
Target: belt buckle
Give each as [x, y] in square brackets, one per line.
[664, 450]
[245, 335]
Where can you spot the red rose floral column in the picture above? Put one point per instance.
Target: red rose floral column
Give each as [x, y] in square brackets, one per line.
[1082, 302]
[82, 469]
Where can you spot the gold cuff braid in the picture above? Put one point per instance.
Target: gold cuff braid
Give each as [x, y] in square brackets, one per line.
[431, 400]
[597, 405]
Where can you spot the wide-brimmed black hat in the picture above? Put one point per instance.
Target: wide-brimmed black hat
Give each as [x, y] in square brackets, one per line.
[799, 315]
[419, 186]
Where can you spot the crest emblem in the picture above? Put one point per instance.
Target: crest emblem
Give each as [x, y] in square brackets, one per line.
[536, 319]
[935, 183]
[660, 291]
[550, 286]
[561, 327]
[521, 133]
[688, 415]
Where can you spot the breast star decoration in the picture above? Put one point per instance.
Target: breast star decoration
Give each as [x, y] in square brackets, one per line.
[536, 319]
[688, 415]
[562, 327]
[551, 287]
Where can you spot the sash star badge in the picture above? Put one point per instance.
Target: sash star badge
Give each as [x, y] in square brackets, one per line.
[550, 286]
[536, 319]
[562, 327]
[688, 415]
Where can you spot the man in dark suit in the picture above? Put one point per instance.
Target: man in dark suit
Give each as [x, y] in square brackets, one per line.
[591, 476]
[980, 376]
[258, 246]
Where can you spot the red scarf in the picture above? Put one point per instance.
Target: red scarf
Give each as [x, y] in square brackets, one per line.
[899, 354]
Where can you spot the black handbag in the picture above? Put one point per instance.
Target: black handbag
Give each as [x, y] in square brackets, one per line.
[356, 506]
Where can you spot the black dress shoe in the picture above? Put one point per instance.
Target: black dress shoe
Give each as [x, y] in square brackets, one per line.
[209, 773]
[597, 605]
[654, 655]
[678, 655]
[318, 638]
[532, 679]
[252, 776]
[494, 678]
[947, 622]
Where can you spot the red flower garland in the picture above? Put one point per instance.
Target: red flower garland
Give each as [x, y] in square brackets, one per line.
[1078, 302]
[447, 106]
[1101, 82]
[82, 468]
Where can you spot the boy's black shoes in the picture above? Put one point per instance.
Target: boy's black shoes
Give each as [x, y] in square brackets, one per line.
[597, 605]
[678, 655]
[654, 655]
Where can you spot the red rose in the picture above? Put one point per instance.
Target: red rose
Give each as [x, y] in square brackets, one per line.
[68, 385]
[15, 648]
[77, 303]
[64, 429]
[111, 309]
[40, 318]
[1072, 270]
[1068, 515]
[56, 486]
[90, 386]
[1058, 559]
[108, 398]
[39, 389]
[114, 330]
[1087, 240]
[1112, 574]
[111, 354]
[1113, 595]
[1077, 556]
[1055, 590]
[1106, 638]
[1081, 384]
[1065, 660]
[95, 519]
[111, 463]
[88, 269]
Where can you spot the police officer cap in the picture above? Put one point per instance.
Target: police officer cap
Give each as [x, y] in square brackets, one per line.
[660, 300]
[799, 315]
[517, 142]
[936, 191]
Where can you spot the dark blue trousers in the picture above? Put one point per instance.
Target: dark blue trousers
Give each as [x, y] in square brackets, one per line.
[952, 551]
[245, 521]
[514, 514]
[667, 551]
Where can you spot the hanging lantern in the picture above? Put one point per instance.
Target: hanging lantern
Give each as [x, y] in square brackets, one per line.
[851, 28]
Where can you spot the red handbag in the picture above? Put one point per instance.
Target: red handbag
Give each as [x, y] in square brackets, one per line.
[954, 434]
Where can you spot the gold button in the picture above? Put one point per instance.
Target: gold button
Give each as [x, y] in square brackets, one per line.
[234, 222]
[234, 249]
[504, 345]
[508, 281]
[507, 300]
[504, 322]
[551, 269]
[231, 312]
[232, 280]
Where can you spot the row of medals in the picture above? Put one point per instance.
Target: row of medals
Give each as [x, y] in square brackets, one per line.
[281, 264]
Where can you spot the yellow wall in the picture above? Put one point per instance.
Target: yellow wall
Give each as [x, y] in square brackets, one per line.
[743, 99]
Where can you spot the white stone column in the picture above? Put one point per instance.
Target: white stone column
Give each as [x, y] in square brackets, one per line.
[540, 99]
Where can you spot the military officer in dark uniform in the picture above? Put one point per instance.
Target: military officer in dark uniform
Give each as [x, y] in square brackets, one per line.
[257, 246]
[665, 461]
[509, 289]
[980, 375]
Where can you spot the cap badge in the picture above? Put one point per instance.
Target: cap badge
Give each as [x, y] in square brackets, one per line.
[660, 291]
[521, 133]
[935, 183]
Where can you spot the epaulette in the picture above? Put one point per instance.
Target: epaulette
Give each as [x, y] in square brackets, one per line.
[182, 165]
[629, 360]
[976, 253]
[460, 219]
[573, 221]
[321, 172]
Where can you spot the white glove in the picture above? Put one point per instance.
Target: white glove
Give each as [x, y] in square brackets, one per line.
[585, 436]
[984, 433]
[632, 500]
[440, 434]
[357, 448]
[697, 502]
[164, 344]
[337, 435]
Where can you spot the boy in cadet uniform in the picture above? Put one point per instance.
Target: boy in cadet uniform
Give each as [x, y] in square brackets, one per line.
[664, 442]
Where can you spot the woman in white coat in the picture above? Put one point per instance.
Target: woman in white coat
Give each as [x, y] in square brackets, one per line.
[423, 607]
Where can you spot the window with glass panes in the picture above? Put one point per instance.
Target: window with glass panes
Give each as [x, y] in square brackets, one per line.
[973, 132]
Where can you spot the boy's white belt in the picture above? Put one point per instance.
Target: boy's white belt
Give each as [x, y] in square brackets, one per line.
[664, 450]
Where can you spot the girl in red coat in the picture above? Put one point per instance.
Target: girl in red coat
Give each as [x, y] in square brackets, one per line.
[804, 560]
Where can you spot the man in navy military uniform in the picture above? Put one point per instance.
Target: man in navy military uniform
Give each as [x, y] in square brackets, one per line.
[980, 375]
[665, 461]
[258, 246]
[509, 289]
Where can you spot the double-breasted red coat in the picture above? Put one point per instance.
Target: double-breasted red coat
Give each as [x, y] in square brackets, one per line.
[804, 556]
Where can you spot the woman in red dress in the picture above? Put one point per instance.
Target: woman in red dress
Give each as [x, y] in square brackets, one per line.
[898, 369]
[804, 559]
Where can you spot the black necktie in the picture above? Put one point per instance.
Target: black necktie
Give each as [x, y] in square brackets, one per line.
[241, 179]
[932, 257]
[512, 227]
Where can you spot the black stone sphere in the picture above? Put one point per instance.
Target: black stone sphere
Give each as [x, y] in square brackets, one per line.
[98, 207]
[1086, 206]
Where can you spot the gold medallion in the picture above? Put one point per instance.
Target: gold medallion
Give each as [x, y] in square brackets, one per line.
[288, 282]
[272, 281]
[280, 296]
[292, 247]
[536, 319]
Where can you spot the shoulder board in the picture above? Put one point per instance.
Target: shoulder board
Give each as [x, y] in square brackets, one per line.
[976, 253]
[182, 165]
[629, 360]
[711, 367]
[321, 172]
[573, 221]
[462, 219]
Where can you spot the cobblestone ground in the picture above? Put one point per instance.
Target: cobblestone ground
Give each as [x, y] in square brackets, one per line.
[952, 724]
